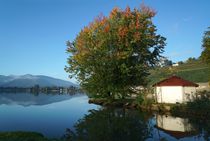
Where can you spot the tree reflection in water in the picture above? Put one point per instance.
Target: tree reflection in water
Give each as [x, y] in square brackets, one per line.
[202, 125]
[111, 125]
[131, 125]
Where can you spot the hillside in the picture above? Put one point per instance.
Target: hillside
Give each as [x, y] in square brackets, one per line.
[29, 80]
[195, 71]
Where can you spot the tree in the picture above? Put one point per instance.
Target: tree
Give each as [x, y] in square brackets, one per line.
[164, 62]
[205, 55]
[112, 55]
[191, 59]
[180, 62]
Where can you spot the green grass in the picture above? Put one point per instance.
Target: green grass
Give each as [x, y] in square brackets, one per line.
[195, 71]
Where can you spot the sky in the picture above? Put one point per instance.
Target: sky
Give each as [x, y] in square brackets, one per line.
[33, 33]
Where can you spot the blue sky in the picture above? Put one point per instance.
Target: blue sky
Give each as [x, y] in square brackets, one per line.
[33, 32]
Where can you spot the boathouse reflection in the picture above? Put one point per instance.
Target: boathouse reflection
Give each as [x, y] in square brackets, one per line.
[175, 126]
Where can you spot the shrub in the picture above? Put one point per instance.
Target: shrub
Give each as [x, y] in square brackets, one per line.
[201, 102]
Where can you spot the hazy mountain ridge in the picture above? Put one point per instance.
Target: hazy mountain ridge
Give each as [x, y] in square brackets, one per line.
[29, 80]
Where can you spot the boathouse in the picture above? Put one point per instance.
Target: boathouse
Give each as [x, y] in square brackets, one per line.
[174, 90]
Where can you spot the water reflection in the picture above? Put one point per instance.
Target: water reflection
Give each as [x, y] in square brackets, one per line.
[112, 125]
[29, 99]
[132, 125]
[189, 128]
[202, 125]
[175, 126]
[49, 114]
[73, 118]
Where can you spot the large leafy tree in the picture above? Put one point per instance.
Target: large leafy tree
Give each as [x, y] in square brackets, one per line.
[205, 55]
[112, 55]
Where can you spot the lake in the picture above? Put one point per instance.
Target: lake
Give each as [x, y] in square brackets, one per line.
[56, 115]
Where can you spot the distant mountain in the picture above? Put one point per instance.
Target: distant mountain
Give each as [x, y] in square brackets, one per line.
[26, 99]
[29, 80]
[5, 79]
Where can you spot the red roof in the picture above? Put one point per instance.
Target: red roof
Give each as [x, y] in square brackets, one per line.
[178, 134]
[175, 81]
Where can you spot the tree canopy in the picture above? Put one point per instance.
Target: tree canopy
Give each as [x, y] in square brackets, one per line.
[205, 55]
[112, 55]
[206, 46]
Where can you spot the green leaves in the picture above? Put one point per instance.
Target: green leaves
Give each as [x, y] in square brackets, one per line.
[206, 46]
[205, 55]
[113, 54]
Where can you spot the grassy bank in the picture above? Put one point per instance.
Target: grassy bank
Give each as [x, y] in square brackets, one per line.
[195, 71]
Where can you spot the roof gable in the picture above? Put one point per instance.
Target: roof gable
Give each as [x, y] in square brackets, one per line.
[175, 81]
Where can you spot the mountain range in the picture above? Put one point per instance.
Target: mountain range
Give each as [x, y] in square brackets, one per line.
[28, 80]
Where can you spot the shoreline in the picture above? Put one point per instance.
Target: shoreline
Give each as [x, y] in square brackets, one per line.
[129, 104]
[169, 109]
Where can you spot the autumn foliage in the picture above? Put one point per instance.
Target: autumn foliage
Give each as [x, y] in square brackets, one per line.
[111, 56]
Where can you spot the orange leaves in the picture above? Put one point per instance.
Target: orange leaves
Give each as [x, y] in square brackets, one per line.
[115, 49]
[100, 20]
[137, 36]
[147, 11]
[127, 12]
[114, 12]
[137, 24]
[107, 28]
[122, 31]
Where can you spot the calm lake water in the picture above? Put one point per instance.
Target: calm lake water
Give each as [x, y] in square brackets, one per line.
[55, 115]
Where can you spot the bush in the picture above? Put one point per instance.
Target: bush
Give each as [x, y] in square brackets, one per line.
[148, 101]
[139, 100]
[144, 99]
[201, 103]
